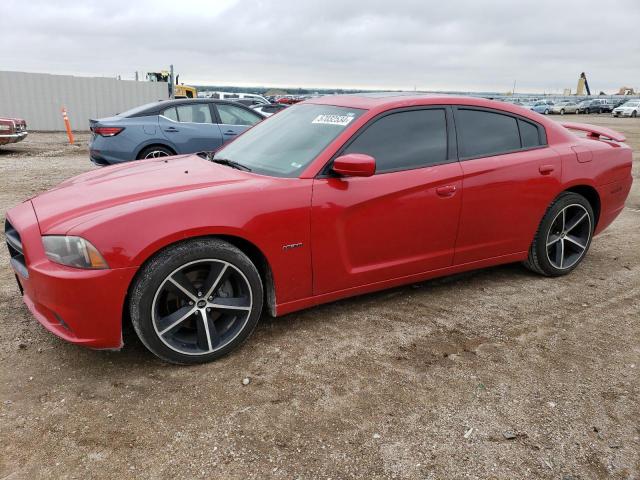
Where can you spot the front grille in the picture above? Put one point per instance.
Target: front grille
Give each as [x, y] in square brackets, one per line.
[16, 251]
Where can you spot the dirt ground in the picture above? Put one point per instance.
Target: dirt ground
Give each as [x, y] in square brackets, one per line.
[497, 373]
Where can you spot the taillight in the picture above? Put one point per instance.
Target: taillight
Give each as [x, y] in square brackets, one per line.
[107, 131]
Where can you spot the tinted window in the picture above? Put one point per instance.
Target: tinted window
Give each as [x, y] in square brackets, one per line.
[195, 113]
[404, 140]
[232, 115]
[171, 114]
[529, 134]
[486, 133]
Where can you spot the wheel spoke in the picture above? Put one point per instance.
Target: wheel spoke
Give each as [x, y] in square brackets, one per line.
[213, 279]
[575, 241]
[559, 253]
[202, 333]
[180, 281]
[552, 239]
[576, 223]
[210, 329]
[230, 303]
[564, 218]
[165, 324]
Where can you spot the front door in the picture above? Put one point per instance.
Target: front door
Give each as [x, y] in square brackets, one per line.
[401, 221]
[235, 119]
[190, 128]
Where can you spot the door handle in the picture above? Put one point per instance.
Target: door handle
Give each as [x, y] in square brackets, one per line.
[171, 129]
[446, 191]
[230, 132]
[546, 169]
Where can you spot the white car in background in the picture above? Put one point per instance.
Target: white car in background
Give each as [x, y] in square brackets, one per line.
[237, 96]
[629, 109]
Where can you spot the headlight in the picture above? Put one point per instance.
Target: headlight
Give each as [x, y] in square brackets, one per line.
[73, 252]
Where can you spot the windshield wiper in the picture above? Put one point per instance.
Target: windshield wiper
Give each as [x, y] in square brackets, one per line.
[231, 163]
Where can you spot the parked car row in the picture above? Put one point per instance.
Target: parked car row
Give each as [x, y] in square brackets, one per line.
[596, 105]
[12, 130]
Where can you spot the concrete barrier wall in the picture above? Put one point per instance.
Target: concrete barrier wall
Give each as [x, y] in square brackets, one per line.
[39, 97]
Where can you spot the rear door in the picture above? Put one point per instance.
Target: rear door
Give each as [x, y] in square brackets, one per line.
[401, 221]
[510, 176]
[190, 128]
[234, 119]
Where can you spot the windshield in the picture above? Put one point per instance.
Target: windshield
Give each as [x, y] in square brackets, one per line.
[631, 104]
[286, 143]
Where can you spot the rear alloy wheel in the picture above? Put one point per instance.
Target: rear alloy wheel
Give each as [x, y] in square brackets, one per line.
[155, 152]
[196, 301]
[546, 112]
[563, 237]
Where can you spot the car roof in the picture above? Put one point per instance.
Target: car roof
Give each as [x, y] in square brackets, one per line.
[382, 101]
[157, 107]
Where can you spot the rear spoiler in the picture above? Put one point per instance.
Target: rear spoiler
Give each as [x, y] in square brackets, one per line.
[594, 131]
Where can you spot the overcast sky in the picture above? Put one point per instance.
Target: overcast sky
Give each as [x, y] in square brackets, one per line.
[380, 44]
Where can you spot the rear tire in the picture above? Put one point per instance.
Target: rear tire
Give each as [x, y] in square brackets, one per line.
[155, 151]
[634, 114]
[563, 237]
[196, 301]
[562, 111]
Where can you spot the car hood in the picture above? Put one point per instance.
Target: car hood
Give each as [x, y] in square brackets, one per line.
[68, 204]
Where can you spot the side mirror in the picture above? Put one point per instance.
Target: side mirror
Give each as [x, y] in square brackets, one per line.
[355, 165]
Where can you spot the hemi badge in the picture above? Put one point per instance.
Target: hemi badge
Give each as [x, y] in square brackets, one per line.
[291, 246]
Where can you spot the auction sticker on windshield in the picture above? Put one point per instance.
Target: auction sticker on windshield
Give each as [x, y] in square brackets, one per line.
[329, 119]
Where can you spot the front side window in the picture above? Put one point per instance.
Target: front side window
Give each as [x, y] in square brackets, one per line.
[486, 133]
[232, 115]
[286, 143]
[404, 140]
[196, 113]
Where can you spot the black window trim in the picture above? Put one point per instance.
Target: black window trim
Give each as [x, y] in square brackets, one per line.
[452, 153]
[542, 133]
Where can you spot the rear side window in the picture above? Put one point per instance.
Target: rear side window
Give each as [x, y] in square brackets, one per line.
[171, 114]
[486, 133]
[529, 134]
[404, 140]
[194, 113]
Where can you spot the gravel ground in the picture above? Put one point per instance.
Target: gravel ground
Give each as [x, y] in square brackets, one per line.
[496, 373]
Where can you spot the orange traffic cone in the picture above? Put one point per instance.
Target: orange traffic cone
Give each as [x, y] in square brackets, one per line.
[67, 125]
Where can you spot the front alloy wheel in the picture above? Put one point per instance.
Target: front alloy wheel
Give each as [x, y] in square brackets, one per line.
[196, 301]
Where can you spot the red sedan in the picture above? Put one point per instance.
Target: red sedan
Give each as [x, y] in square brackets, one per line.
[12, 130]
[330, 198]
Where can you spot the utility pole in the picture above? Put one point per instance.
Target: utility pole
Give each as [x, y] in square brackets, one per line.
[172, 92]
[513, 92]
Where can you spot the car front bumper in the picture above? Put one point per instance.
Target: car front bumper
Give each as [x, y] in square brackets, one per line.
[621, 114]
[12, 137]
[80, 306]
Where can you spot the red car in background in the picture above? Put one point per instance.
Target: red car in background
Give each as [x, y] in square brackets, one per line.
[333, 197]
[12, 130]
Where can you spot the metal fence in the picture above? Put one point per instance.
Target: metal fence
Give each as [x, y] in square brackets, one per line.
[39, 97]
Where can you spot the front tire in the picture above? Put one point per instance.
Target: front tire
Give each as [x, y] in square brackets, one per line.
[634, 114]
[563, 237]
[196, 301]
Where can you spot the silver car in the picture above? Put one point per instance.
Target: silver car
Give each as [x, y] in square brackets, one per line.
[629, 109]
[565, 106]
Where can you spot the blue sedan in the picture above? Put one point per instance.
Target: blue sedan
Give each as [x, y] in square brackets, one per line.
[541, 107]
[168, 127]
